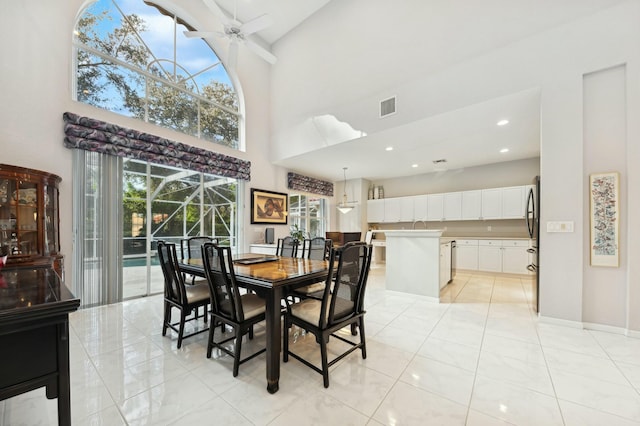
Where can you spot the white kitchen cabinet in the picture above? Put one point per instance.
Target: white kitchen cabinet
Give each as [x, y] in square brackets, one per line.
[490, 255]
[513, 202]
[406, 209]
[472, 205]
[391, 210]
[452, 209]
[435, 207]
[445, 264]
[515, 257]
[467, 255]
[420, 207]
[375, 211]
[492, 203]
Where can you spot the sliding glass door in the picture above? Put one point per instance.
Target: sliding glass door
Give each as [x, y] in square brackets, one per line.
[129, 205]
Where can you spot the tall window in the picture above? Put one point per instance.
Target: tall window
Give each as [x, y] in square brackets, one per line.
[134, 60]
[309, 213]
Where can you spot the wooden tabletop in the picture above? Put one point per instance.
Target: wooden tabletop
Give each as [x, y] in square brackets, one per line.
[283, 271]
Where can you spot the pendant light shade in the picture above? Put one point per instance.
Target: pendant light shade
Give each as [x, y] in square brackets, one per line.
[345, 206]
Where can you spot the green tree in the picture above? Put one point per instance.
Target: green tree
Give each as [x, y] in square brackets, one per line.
[167, 100]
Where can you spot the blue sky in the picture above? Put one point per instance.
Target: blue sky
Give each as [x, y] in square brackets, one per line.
[192, 54]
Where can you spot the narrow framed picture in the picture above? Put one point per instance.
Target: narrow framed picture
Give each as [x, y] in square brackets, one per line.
[269, 207]
[604, 215]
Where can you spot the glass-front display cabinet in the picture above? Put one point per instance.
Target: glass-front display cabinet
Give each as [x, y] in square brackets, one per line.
[29, 217]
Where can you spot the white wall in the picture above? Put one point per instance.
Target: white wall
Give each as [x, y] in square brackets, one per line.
[553, 62]
[605, 150]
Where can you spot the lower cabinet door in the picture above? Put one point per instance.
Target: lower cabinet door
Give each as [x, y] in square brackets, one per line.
[490, 258]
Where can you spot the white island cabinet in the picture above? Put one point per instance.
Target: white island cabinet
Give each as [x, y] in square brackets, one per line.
[413, 262]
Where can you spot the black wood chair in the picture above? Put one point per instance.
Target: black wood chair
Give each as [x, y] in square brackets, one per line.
[287, 247]
[228, 306]
[342, 305]
[191, 248]
[318, 248]
[186, 298]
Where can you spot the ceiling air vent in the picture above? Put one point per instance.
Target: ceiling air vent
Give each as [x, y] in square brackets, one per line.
[387, 107]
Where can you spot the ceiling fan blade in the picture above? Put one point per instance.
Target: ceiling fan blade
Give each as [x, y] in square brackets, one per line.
[261, 51]
[233, 55]
[257, 24]
[213, 7]
[203, 34]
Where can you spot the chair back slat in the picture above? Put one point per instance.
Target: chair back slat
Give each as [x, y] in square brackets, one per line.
[225, 294]
[194, 245]
[315, 248]
[287, 247]
[173, 281]
[345, 297]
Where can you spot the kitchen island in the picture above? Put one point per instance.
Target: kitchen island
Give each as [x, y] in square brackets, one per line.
[414, 262]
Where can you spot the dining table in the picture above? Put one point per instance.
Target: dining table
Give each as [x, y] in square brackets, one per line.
[270, 277]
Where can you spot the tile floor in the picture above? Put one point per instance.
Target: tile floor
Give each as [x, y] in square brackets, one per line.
[482, 358]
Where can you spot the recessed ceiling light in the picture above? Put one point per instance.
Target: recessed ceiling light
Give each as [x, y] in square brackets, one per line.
[414, 165]
[502, 122]
[389, 148]
[503, 150]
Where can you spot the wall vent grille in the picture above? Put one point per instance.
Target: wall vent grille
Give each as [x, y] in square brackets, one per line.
[388, 107]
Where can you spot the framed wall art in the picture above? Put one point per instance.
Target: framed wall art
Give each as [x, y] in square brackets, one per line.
[269, 207]
[604, 218]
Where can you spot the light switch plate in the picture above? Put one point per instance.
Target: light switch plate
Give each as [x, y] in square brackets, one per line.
[566, 226]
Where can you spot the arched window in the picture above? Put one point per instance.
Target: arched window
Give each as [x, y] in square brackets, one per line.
[133, 59]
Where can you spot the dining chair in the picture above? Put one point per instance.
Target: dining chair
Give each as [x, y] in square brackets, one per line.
[342, 305]
[318, 248]
[186, 298]
[228, 306]
[287, 247]
[191, 248]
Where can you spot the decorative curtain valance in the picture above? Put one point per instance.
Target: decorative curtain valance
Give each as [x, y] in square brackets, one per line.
[309, 184]
[95, 135]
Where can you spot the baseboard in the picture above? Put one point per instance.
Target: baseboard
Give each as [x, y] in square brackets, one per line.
[632, 333]
[591, 326]
[563, 322]
[605, 328]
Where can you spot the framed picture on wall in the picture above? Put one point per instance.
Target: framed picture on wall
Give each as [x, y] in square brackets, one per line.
[604, 215]
[269, 207]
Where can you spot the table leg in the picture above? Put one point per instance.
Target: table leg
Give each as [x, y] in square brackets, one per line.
[274, 338]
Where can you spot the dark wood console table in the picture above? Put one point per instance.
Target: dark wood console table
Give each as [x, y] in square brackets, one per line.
[34, 335]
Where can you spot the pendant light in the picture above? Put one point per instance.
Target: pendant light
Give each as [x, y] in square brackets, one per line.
[345, 206]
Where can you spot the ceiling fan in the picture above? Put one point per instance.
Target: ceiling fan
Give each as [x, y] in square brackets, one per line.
[237, 33]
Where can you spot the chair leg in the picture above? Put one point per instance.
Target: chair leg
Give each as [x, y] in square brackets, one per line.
[167, 318]
[183, 319]
[237, 351]
[362, 340]
[325, 364]
[251, 332]
[204, 314]
[354, 330]
[212, 331]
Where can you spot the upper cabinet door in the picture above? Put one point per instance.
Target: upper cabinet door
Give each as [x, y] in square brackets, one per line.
[472, 205]
[420, 207]
[492, 203]
[453, 206]
[514, 202]
[435, 207]
[391, 210]
[375, 211]
[406, 209]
